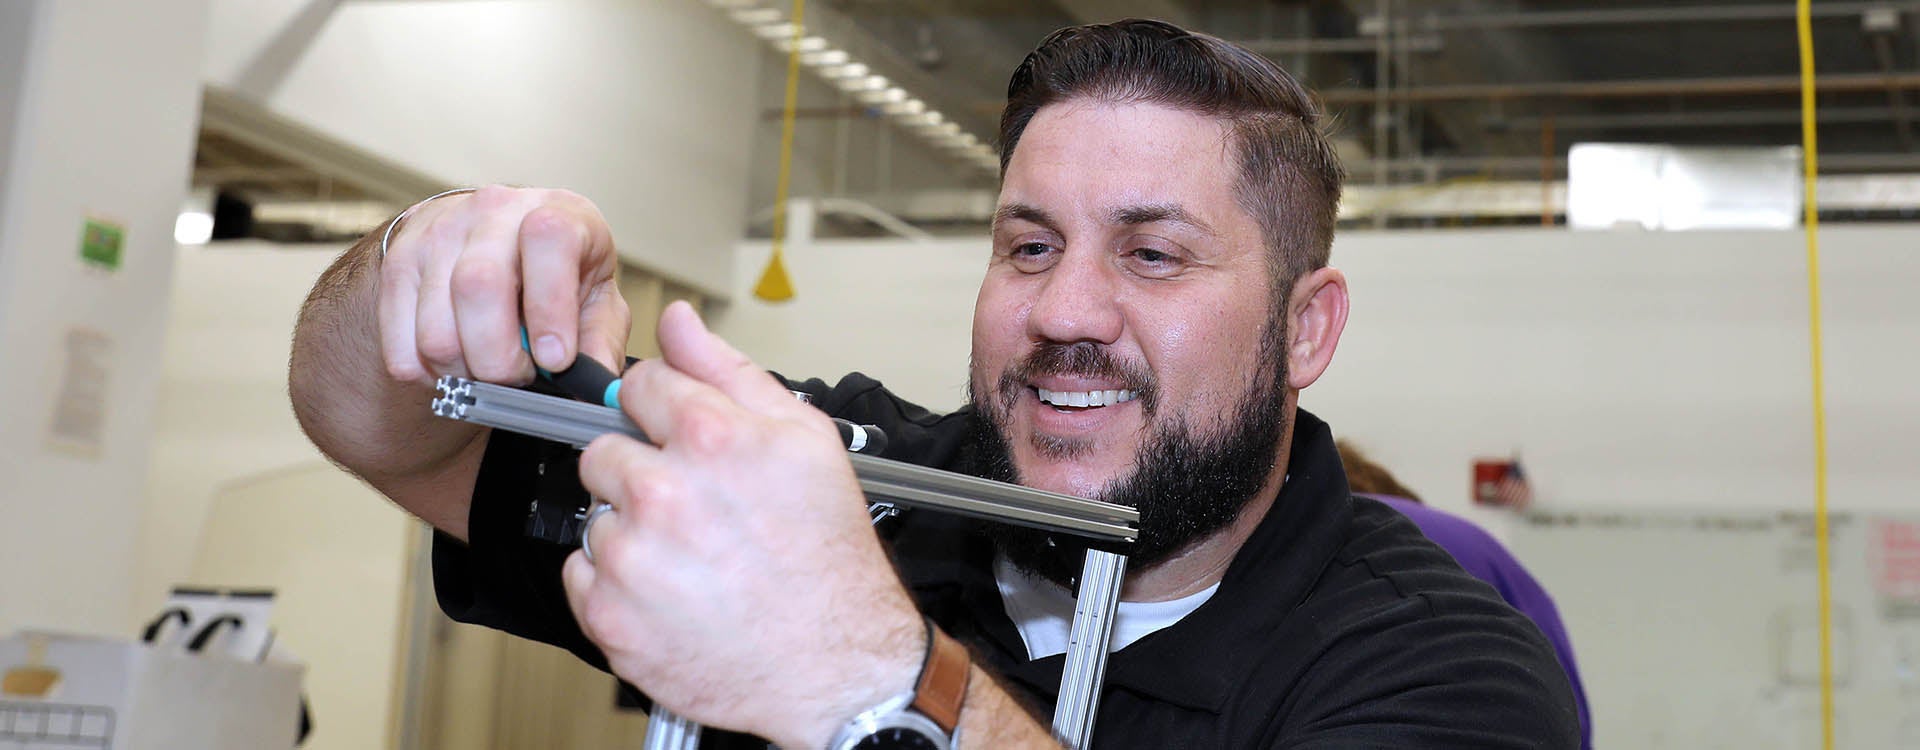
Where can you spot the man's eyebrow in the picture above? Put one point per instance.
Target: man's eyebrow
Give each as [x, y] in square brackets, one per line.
[1023, 212]
[1152, 212]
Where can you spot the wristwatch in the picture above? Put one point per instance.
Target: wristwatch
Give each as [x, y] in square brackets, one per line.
[923, 718]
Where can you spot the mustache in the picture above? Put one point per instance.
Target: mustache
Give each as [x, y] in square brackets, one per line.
[1081, 359]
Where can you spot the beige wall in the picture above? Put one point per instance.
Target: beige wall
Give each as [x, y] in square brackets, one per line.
[239, 497]
[1629, 369]
[336, 557]
[897, 310]
[648, 108]
[85, 133]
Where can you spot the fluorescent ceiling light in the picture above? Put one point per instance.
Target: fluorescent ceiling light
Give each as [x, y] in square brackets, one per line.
[887, 96]
[927, 121]
[830, 57]
[757, 16]
[906, 108]
[842, 69]
[807, 44]
[193, 228]
[774, 31]
[867, 83]
[848, 70]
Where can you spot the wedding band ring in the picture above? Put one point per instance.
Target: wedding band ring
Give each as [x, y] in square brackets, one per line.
[586, 528]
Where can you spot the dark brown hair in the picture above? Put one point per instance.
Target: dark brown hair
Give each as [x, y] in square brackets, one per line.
[1289, 179]
[1366, 477]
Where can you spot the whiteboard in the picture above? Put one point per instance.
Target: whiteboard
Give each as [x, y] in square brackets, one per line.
[1700, 630]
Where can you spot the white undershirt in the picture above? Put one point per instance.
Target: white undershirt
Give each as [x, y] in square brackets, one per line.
[1043, 611]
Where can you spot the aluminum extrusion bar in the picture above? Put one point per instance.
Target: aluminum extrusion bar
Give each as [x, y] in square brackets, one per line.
[561, 420]
[578, 423]
[919, 486]
[1086, 663]
[667, 730]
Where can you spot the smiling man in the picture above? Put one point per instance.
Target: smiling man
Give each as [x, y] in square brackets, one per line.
[1157, 297]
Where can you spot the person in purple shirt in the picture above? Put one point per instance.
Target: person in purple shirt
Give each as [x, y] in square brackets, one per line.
[1479, 553]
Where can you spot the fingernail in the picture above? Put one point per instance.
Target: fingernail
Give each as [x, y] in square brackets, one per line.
[550, 352]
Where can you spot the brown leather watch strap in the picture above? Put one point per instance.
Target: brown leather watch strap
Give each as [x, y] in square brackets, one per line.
[943, 679]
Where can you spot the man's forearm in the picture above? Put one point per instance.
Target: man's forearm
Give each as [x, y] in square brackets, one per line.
[993, 719]
[354, 411]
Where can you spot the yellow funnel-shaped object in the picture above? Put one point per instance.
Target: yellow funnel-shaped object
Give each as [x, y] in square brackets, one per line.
[31, 680]
[774, 285]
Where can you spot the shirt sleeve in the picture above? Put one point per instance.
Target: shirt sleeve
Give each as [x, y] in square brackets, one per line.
[914, 434]
[1435, 671]
[1521, 590]
[501, 578]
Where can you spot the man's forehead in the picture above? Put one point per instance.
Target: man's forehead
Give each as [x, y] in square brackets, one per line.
[1085, 120]
[1120, 213]
[1119, 163]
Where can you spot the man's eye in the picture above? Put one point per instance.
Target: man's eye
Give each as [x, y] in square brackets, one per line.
[1151, 255]
[1031, 248]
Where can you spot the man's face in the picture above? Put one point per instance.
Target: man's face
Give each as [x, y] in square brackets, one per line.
[1127, 294]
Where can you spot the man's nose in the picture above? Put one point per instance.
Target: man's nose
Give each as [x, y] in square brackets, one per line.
[1077, 303]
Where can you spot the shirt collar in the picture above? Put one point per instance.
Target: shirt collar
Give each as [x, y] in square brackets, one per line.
[1198, 661]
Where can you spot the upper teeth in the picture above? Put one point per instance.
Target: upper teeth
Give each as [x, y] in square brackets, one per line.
[1084, 398]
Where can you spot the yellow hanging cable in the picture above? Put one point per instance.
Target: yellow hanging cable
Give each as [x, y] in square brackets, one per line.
[1803, 19]
[774, 285]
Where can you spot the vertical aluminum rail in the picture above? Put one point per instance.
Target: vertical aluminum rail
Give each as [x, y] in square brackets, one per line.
[1086, 668]
[576, 423]
[667, 730]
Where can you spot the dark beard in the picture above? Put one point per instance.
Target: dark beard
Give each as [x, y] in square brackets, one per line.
[1186, 487]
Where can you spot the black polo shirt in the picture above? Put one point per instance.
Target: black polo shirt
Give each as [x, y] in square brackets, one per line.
[1337, 625]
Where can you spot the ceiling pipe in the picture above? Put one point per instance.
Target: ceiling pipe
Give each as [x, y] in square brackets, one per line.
[1652, 15]
[1720, 86]
[1429, 168]
[1341, 45]
[1702, 119]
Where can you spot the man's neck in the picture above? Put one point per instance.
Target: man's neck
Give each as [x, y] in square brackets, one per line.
[1206, 562]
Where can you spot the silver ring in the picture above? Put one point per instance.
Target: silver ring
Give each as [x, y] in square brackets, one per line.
[395, 224]
[586, 528]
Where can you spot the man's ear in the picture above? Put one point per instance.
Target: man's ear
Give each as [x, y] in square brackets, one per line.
[1316, 314]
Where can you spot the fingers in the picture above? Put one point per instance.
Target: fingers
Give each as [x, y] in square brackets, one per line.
[435, 330]
[462, 271]
[397, 307]
[620, 471]
[605, 324]
[554, 241]
[687, 345]
[578, 576]
[485, 294]
[627, 541]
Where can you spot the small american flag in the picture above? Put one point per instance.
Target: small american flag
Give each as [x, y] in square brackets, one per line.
[1501, 483]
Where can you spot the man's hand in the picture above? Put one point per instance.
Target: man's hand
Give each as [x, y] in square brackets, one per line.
[448, 300]
[462, 270]
[738, 581]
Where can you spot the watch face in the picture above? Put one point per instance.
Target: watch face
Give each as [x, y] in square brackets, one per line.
[897, 738]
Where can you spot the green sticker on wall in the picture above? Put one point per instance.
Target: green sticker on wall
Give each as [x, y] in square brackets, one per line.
[101, 243]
